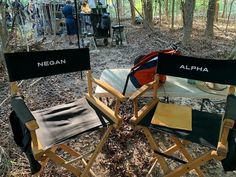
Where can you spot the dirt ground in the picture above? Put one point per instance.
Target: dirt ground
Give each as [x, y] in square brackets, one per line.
[127, 152]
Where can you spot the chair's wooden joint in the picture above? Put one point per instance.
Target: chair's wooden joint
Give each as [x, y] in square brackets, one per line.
[231, 89]
[32, 125]
[133, 121]
[228, 123]
[38, 154]
[14, 88]
[79, 158]
[221, 149]
[142, 90]
[110, 89]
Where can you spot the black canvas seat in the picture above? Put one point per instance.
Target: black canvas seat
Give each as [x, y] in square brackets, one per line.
[72, 119]
[40, 133]
[185, 125]
[201, 123]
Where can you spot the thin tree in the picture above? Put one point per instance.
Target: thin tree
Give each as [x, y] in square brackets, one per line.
[230, 11]
[155, 7]
[148, 15]
[188, 11]
[209, 33]
[173, 15]
[217, 10]
[160, 16]
[224, 9]
[120, 8]
[132, 9]
[3, 31]
[167, 9]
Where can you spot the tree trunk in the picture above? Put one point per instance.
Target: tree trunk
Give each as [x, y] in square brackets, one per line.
[209, 33]
[182, 11]
[3, 33]
[143, 1]
[189, 6]
[1, 44]
[155, 7]
[173, 14]
[167, 9]
[160, 17]
[230, 10]
[224, 9]
[123, 8]
[132, 9]
[217, 10]
[120, 9]
[148, 13]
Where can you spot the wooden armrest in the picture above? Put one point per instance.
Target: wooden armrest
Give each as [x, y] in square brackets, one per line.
[32, 125]
[109, 89]
[105, 109]
[142, 90]
[222, 144]
[139, 114]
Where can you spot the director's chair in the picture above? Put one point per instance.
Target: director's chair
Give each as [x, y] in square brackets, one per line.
[185, 125]
[40, 133]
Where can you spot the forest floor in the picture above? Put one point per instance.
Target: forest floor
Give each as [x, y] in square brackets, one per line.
[126, 152]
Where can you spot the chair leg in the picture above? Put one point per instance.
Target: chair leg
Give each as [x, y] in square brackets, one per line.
[178, 146]
[72, 152]
[186, 154]
[154, 146]
[60, 161]
[97, 150]
[190, 165]
[43, 162]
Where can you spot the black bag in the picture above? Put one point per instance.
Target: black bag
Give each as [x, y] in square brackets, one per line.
[229, 163]
[23, 140]
[105, 21]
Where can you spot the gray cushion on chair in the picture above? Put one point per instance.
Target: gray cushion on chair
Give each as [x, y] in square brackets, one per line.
[59, 123]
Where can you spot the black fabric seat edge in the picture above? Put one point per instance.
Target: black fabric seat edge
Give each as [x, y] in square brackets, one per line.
[202, 122]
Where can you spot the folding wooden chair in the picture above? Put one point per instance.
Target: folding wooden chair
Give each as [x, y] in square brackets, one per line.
[185, 125]
[40, 133]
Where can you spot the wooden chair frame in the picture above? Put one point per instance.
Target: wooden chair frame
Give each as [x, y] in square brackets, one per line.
[179, 144]
[43, 155]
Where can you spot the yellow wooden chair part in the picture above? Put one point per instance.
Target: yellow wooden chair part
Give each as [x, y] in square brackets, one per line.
[40, 133]
[183, 124]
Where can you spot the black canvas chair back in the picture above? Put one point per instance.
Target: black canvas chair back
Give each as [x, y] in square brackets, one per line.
[27, 65]
[217, 71]
[208, 129]
[39, 133]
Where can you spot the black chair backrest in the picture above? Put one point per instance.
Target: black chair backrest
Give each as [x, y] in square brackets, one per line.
[210, 70]
[27, 65]
[230, 111]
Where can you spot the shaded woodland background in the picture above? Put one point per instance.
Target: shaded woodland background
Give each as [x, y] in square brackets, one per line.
[199, 28]
[153, 14]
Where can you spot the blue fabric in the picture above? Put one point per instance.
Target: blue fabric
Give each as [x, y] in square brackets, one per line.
[68, 11]
[71, 27]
